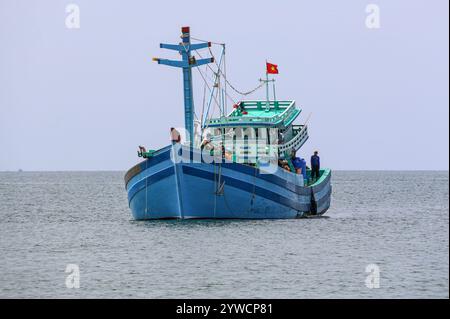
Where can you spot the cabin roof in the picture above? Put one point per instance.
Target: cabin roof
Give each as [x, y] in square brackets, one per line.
[256, 113]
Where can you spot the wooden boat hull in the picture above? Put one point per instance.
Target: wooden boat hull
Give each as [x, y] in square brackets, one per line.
[159, 188]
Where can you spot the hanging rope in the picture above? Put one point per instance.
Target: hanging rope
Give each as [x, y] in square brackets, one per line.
[217, 43]
[225, 71]
[204, 97]
[225, 77]
[219, 93]
[228, 82]
[206, 83]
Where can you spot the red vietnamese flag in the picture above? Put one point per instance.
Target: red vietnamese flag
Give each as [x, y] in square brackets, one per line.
[271, 68]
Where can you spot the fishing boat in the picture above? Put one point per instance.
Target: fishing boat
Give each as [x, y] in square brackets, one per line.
[237, 164]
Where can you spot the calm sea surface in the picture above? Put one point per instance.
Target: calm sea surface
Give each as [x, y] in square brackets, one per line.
[398, 221]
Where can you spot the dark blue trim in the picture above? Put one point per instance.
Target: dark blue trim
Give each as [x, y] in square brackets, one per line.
[149, 180]
[242, 168]
[156, 159]
[250, 188]
[160, 156]
[249, 170]
[300, 190]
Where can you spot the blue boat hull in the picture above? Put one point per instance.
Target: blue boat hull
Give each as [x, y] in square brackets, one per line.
[158, 188]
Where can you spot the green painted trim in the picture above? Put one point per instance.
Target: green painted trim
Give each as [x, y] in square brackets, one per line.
[146, 154]
[280, 112]
[293, 117]
[323, 175]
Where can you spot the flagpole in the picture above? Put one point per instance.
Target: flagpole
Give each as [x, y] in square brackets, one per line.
[274, 96]
[267, 90]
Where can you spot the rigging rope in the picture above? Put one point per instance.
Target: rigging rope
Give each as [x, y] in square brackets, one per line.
[218, 170]
[204, 98]
[218, 79]
[206, 83]
[228, 82]
[225, 77]
[217, 43]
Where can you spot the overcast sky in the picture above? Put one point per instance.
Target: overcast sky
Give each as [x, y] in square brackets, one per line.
[83, 99]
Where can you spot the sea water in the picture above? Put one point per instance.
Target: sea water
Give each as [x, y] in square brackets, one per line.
[71, 234]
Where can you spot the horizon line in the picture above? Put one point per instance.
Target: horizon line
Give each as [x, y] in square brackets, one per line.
[117, 170]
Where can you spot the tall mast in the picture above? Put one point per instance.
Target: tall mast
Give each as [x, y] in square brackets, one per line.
[187, 63]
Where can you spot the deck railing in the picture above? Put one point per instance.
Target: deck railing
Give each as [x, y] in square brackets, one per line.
[300, 137]
[250, 105]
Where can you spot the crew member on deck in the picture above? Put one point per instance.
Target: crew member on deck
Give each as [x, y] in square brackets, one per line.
[284, 165]
[303, 168]
[315, 166]
[142, 149]
[206, 143]
[296, 162]
[175, 135]
[142, 152]
[299, 165]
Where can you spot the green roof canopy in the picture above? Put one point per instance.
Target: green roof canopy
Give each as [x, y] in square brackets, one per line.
[256, 113]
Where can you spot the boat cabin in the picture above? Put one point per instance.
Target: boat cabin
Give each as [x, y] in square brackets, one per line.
[265, 126]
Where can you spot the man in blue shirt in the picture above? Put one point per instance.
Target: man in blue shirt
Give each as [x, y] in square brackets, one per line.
[315, 166]
[303, 167]
[299, 165]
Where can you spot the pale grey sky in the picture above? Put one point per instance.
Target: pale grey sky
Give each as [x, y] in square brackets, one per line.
[83, 99]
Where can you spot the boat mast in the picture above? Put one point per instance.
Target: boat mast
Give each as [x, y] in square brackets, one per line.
[187, 63]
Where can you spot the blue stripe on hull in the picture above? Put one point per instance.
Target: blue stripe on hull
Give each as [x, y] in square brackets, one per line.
[321, 195]
[160, 189]
[292, 202]
[323, 203]
[156, 200]
[149, 180]
[200, 201]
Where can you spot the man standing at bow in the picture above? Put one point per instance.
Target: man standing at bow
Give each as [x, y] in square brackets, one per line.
[315, 166]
